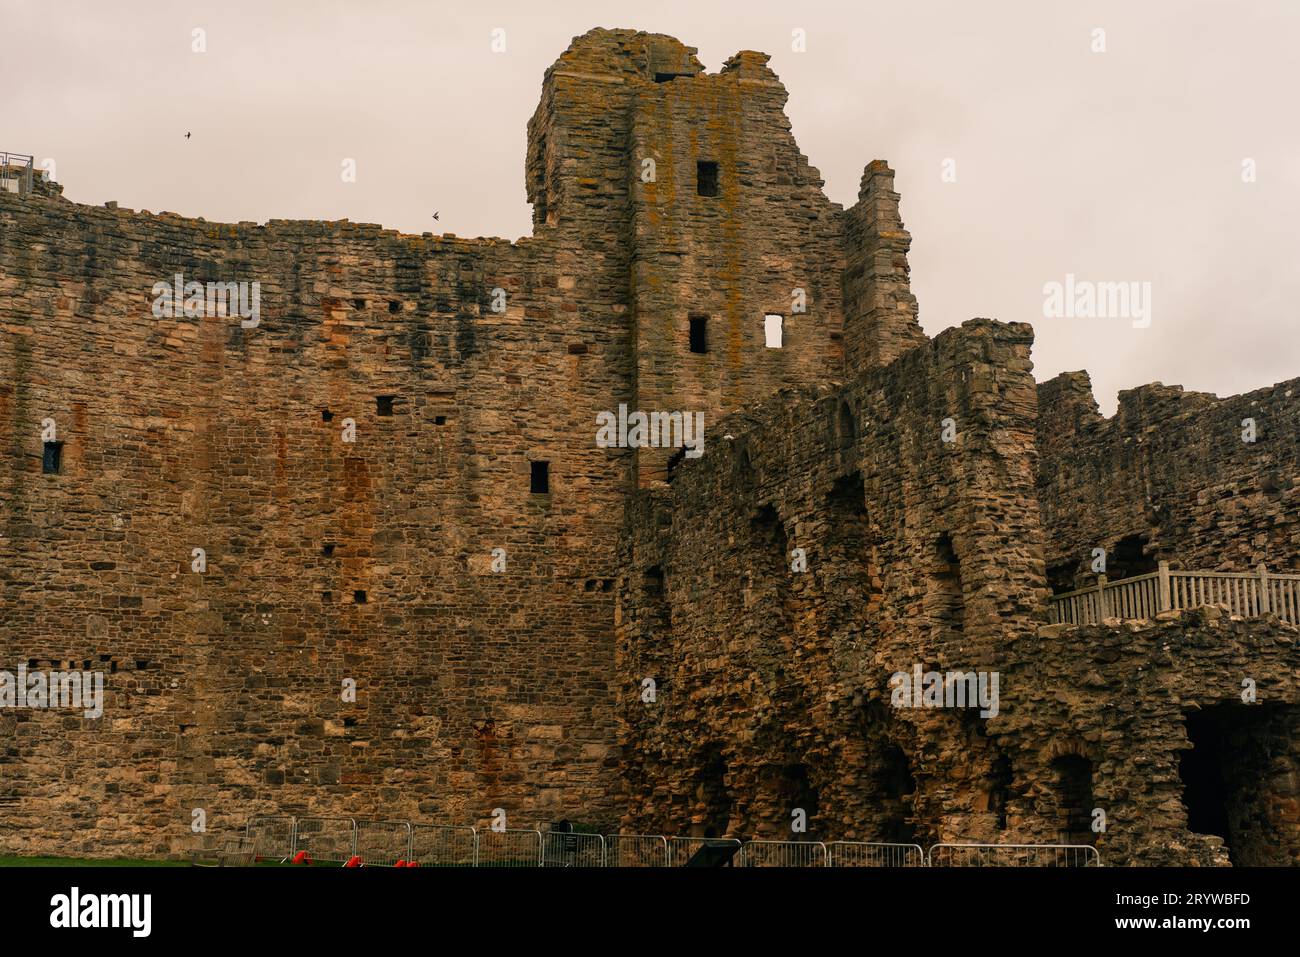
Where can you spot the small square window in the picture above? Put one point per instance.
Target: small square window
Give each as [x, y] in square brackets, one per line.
[359, 597]
[540, 478]
[773, 330]
[706, 178]
[52, 458]
[699, 334]
[384, 404]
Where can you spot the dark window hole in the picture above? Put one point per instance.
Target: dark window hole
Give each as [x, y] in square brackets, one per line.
[539, 478]
[52, 458]
[699, 337]
[706, 182]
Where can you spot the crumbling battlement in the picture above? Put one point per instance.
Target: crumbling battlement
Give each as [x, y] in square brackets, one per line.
[832, 540]
[475, 614]
[769, 680]
[365, 553]
[1169, 476]
[1146, 721]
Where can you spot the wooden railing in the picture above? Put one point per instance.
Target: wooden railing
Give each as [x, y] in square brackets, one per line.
[1245, 594]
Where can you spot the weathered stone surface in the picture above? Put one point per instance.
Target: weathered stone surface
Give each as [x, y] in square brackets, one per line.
[926, 490]
[1169, 477]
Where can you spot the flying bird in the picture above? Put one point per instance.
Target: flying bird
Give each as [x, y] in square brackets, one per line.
[435, 215]
[187, 135]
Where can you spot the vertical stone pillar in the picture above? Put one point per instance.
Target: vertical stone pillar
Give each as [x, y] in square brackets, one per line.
[879, 308]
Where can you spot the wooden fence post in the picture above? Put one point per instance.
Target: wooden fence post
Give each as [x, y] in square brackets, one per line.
[1102, 613]
[1164, 597]
[1264, 601]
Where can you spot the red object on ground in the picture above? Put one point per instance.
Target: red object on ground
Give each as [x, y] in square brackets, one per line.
[353, 861]
[302, 857]
[401, 863]
[412, 863]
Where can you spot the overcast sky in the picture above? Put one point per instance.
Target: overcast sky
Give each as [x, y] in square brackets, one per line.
[1116, 166]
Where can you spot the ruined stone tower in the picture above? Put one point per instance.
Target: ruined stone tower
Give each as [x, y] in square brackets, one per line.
[373, 560]
[364, 556]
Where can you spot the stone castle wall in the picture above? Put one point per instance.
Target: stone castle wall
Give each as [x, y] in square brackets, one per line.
[772, 684]
[1170, 473]
[501, 637]
[475, 690]
[373, 560]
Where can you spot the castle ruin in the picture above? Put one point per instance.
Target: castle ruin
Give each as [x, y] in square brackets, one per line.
[495, 587]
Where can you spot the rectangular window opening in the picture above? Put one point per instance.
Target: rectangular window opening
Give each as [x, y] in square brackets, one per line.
[540, 478]
[384, 404]
[773, 330]
[706, 178]
[699, 334]
[52, 458]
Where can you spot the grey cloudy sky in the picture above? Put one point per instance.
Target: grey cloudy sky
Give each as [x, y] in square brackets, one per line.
[1117, 166]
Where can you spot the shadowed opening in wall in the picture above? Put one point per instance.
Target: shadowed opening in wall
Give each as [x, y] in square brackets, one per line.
[944, 602]
[1074, 798]
[699, 341]
[539, 478]
[712, 812]
[1000, 780]
[1129, 558]
[1238, 776]
[896, 786]
[798, 803]
[52, 458]
[706, 173]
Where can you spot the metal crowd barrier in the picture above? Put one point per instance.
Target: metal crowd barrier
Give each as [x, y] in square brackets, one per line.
[782, 854]
[873, 854]
[636, 850]
[512, 847]
[439, 845]
[567, 849]
[272, 837]
[383, 843]
[327, 840]
[1013, 855]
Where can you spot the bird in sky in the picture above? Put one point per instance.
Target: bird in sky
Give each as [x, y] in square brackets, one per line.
[187, 135]
[435, 215]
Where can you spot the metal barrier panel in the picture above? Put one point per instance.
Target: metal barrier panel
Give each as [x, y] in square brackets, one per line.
[1014, 855]
[437, 845]
[272, 837]
[872, 854]
[566, 849]
[782, 854]
[327, 840]
[16, 172]
[636, 850]
[682, 849]
[513, 847]
[237, 852]
[383, 843]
